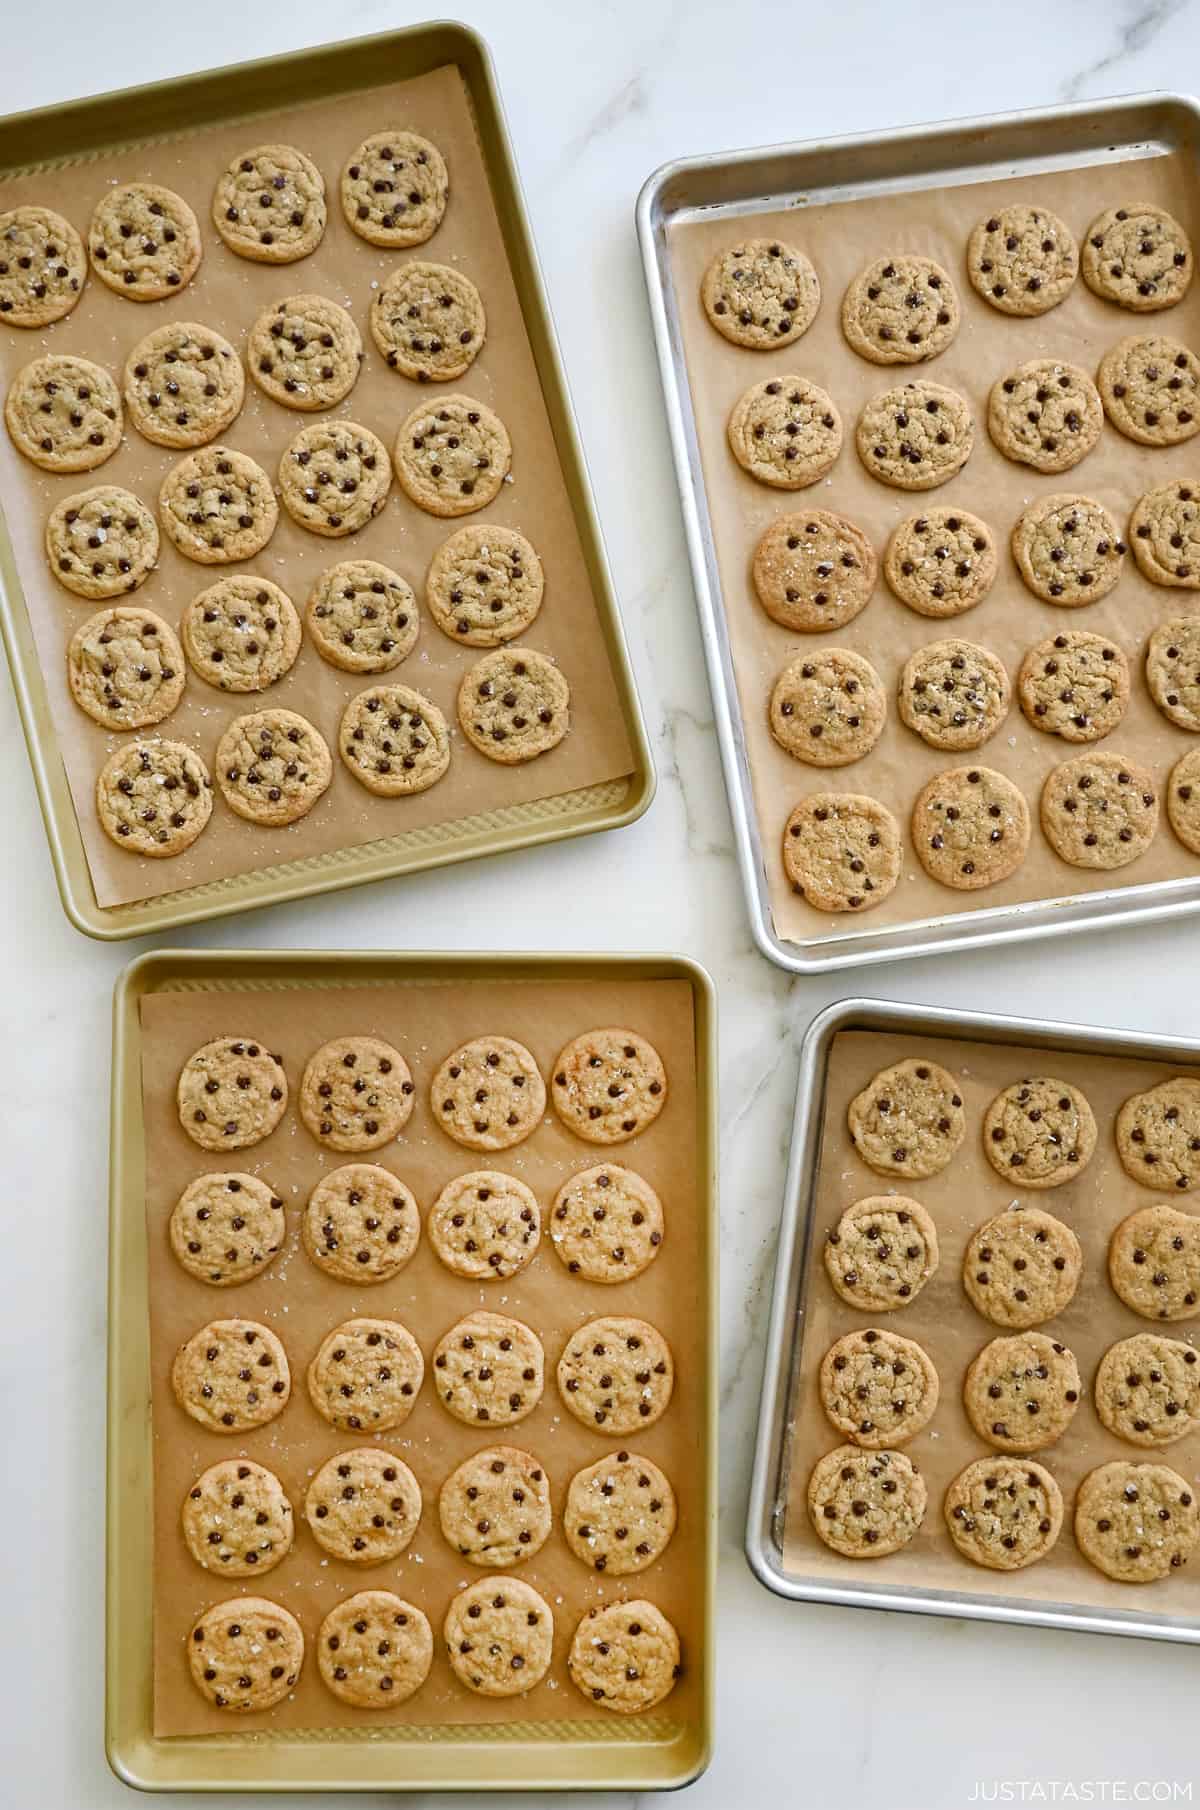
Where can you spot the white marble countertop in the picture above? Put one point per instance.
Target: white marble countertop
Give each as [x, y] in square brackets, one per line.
[823, 1709]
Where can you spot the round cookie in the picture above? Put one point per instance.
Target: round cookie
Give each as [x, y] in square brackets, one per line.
[488, 1094]
[184, 385]
[101, 542]
[619, 1514]
[1022, 260]
[363, 1506]
[970, 827]
[362, 617]
[1022, 1267]
[1183, 800]
[125, 668]
[428, 321]
[954, 694]
[42, 267]
[626, 1656]
[366, 1376]
[245, 1653]
[484, 585]
[1039, 1132]
[1136, 1522]
[916, 436]
[1068, 550]
[785, 432]
[1004, 1513]
[1021, 1392]
[269, 205]
[394, 189]
[1074, 685]
[761, 293]
[941, 562]
[217, 506]
[1154, 1262]
[452, 456]
[513, 705]
[841, 851]
[495, 1508]
[361, 1224]
[272, 766]
[813, 572]
[334, 477]
[1046, 414]
[374, 1650]
[900, 310]
[1147, 1389]
[232, 1376]
[1173, 670]
[144, 241]
[1150, 387]
[606, 1224]
[226, 1228]
[866, 1504]
[877, 1388]
[616, 1374]
[608, 1085]
[485, 1225]
[908, 1120]
[490, 1369]
[64, 413]
[242, 633]
[304, 352]
[1164, 532]
[130, 803]
[881, 1252]
[828, 707]
[1099, 810]
[237, 1519]
[394, 741]
[357, 1094]
[1139, 257]
[499, 1636]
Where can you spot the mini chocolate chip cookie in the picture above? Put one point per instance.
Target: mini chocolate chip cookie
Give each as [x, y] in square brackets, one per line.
[606, 1224]
[499, 1636]
[362, 616]
[1074, 685]
[970, 827]
[428, 321]
[42, 267]
[882, 1252]
[617, 1374]
[269, 205]
[866, 1504]
[1022, 260]
[489, 1369]
[395, 188]
[394, 741]
[900, 310]
[785, 432]
[916, 436]
[64, 413]
[1147, 1389]
[1136, 1522]
[619, 1514]
[608, 1085]
[237, 1519]
[908, 1120]
[357, 1093]
[272, 767]
[1046, 414]
[1022, 1267]
[245, 1653]
[101, 542]
[1173, 670]
[144, 241]
[218, 506]
[1004, 1513]
[488, 1094]
[232, 1376]
[1021, 1392]
[374, 1650]
[1183, 800]
[877, 1388]
[452, 456]
[954, 694]
[513, 705]
[366, 1376]
[1164, 532]
[485, 1225]
[1158, 1135]
[1139, 257]
[1039, 1132]
[363, 1506]
[184, 385]
[484, 585]
[761, 293]
[1099, 810]
[361, 1224]
[1154, 1255]
[125, 668]
[1068, 550]
[828, 707]
[495, 1508]
[242, 633]
[813, 572]
[305, 352]
[231, 1094]
[1150, 387]
[841, 851]
[227, 1228]
[625, 1656]
[334, 478]
[941, 562]
[153, 798]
